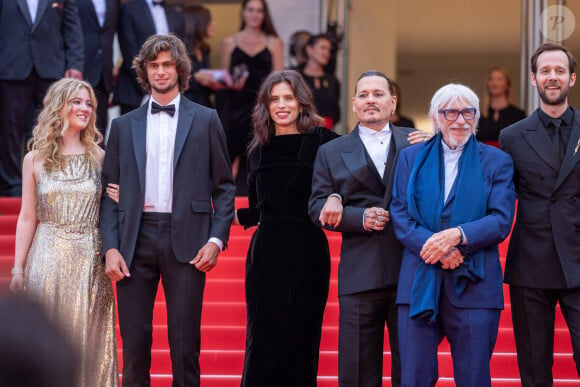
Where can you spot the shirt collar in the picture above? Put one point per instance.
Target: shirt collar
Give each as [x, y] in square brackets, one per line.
[175, 101]
[448, 150]
[367, 132]
[567, 117]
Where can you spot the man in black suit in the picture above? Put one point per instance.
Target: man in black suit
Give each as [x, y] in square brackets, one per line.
[172, 214]
[38, 46]
[138, 20]
[351, 191]
[99, 22]
[543, 259]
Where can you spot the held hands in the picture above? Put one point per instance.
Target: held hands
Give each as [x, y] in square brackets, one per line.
[452, 260]
[206, 257]
[115, 266]
[331, 213]
[73, 73]
[375, 218]
[113, 192]
[439, 245]
[419, 136]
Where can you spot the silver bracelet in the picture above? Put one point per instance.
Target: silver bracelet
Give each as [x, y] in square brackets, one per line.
[17, 270]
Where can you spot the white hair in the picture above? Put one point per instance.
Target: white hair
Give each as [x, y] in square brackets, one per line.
[451, 93]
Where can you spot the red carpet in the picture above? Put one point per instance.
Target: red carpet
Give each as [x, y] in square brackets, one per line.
[224, 318]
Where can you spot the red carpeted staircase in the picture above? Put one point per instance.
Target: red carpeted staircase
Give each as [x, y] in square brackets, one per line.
[224, 318]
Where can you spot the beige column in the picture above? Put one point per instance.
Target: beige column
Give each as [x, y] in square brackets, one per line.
[371, 43]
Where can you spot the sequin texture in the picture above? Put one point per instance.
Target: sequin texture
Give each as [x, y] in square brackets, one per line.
[64, 269]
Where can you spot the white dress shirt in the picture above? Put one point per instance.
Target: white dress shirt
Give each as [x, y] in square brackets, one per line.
[161, 129]
[101, 10]
[160, 146]
[159, 18]
[33, 8]
[451, 161]
[377, 145]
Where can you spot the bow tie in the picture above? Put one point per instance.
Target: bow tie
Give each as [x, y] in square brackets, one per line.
[159, 2]
[156, 108]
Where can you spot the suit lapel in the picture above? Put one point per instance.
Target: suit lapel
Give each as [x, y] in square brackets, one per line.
[359, 164]
[398, 142]
[93, 11]
[23, 5]
[537, 138]
[42, 5]
[139, 133]
[184, 124]
[572, 151]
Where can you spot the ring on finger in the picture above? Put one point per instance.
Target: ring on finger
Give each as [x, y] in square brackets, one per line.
[376, 222]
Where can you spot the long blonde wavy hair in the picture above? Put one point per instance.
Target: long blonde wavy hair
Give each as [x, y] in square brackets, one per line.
[53, 122]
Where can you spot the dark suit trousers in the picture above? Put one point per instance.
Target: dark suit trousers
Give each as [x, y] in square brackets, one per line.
[19, 101]
[533, 316]
[183, 285]
[471, 332]
[361, 333]
[102, 107]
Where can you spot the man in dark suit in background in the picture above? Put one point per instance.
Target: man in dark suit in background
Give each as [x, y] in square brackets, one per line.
[173, 212]
[138, 20]
[38, 46]
[543, 259]
[351, 191]
[99, 22]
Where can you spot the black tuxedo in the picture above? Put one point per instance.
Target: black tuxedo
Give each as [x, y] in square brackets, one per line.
[33, 55]
[543, 260]
[203, 207]
[98, 42]
[134, 27]
[369, 261]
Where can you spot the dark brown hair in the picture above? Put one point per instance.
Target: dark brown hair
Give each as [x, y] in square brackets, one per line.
[264, 127]
[552, 46]
[151, 49]
[267, 25]
[197, 20]
[375, 73]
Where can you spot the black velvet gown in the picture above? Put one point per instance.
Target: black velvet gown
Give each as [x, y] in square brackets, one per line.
[288, 265]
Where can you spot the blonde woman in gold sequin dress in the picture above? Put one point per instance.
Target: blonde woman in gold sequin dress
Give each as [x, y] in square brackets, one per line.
[57, 257]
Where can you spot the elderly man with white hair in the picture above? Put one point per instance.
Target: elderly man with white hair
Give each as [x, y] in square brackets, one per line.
[453, 203]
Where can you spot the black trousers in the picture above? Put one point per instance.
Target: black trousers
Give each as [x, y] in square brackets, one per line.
[183, 285]
[20, 102]
[102, 107]
[533, 316]
[361, 332]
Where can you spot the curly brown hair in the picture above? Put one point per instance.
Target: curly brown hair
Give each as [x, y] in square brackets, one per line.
[264, 128]
[149, 51]
[47, 135]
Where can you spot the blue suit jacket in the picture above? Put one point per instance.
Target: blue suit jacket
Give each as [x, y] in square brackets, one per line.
[98, 42]
[52, 44]
[482, 234]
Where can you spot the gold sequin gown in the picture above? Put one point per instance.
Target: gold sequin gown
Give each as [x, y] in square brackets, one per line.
[64, 269]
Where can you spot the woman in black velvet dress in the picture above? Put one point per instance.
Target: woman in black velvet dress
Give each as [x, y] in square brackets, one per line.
[288, 262]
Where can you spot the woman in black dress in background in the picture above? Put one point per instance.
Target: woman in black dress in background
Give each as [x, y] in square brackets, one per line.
[497, 111]
[249, 55]
[325, 87]
[288, 262]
